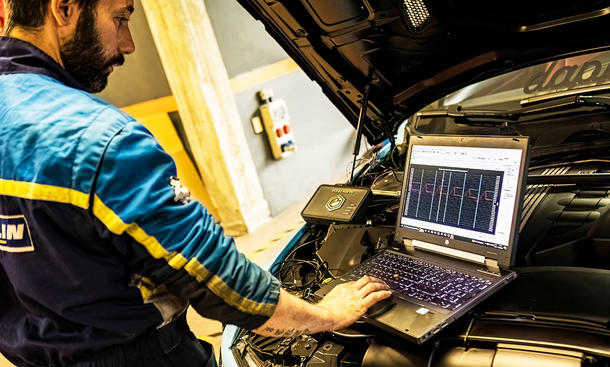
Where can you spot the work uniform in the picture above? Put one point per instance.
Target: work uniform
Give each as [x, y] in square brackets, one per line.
[100, 251]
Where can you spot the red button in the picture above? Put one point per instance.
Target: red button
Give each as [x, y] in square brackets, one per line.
[286, 129]
[279, 133]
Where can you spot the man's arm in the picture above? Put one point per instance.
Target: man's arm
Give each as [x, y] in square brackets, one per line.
[179, 247]
[345, 304]
[171, 245]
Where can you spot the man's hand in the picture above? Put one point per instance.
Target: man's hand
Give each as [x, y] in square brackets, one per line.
[341, 307]
[347, 302]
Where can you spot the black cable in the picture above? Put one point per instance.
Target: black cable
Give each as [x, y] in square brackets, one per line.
[298, 247]
[290, 265]
[383, 203]
[319, 271]
[376, 175]
[392, 157]
[352, 336]
[434, 348]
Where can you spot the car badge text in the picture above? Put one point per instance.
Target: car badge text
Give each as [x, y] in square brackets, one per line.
[568, 77]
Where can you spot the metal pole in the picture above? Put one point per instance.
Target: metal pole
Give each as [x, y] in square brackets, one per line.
[361, 118]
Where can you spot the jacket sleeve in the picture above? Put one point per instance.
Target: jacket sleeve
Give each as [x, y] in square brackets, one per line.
[177, 245]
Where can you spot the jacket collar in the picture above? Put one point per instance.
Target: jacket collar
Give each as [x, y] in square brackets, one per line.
[20, 57]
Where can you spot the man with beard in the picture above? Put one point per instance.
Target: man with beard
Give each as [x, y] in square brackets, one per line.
[100, 251]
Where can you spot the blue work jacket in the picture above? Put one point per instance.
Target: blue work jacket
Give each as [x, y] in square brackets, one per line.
[95, 246]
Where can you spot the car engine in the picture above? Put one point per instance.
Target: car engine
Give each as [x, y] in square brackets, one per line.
[554, 314]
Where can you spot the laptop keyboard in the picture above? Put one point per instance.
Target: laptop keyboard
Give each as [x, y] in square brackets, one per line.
[426, 282]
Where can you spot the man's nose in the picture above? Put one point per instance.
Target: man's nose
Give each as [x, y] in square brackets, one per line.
[126, 44]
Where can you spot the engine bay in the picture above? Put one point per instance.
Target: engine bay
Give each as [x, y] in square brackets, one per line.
[555, 313]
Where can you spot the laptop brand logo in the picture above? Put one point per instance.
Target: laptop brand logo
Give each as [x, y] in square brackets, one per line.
[335, 203]
[15, 234]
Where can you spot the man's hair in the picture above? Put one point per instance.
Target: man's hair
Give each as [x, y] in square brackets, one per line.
[30, 14]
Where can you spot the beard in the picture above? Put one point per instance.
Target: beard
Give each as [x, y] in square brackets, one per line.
[83, 56]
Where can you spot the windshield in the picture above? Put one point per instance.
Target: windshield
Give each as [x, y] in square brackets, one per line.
[589, 74]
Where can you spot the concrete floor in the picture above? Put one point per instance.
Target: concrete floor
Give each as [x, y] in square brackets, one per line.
[259, 247]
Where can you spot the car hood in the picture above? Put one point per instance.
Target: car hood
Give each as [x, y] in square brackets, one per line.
[412, 52]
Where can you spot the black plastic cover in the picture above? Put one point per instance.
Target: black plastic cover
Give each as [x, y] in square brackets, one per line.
[344, 45]
[337, 204]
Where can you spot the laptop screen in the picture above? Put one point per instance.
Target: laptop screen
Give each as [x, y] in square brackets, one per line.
[463, 193]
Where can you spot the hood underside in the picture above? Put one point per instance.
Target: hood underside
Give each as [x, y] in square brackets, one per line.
[413, 52]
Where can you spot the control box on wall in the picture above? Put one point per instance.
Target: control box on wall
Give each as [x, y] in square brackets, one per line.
[275, 121]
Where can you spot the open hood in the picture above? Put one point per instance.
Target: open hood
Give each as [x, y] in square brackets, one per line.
[413, 52]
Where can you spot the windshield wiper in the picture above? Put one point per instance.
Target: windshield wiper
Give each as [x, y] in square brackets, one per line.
[498, 117]
[546, 317]
[565, 93]
[593, 100]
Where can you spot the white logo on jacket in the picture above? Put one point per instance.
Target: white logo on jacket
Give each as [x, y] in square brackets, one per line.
[15, 234]
[181, 194]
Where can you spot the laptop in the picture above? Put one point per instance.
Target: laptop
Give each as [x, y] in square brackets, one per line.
[457, 231]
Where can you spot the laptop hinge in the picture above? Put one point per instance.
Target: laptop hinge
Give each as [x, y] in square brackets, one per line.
[492, 266]
[445, 251]
[409, 246]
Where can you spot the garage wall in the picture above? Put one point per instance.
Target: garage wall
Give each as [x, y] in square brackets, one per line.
[324, 138]
[142, 77]
[242, 40]
[324, 141]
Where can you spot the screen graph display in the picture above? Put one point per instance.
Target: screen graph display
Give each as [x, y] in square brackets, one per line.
[466, 193]
[462, 198]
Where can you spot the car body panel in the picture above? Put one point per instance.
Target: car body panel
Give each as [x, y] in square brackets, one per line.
[471, 55]
[344, 45]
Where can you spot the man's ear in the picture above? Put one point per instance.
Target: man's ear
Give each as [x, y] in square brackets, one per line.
[64, 12]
